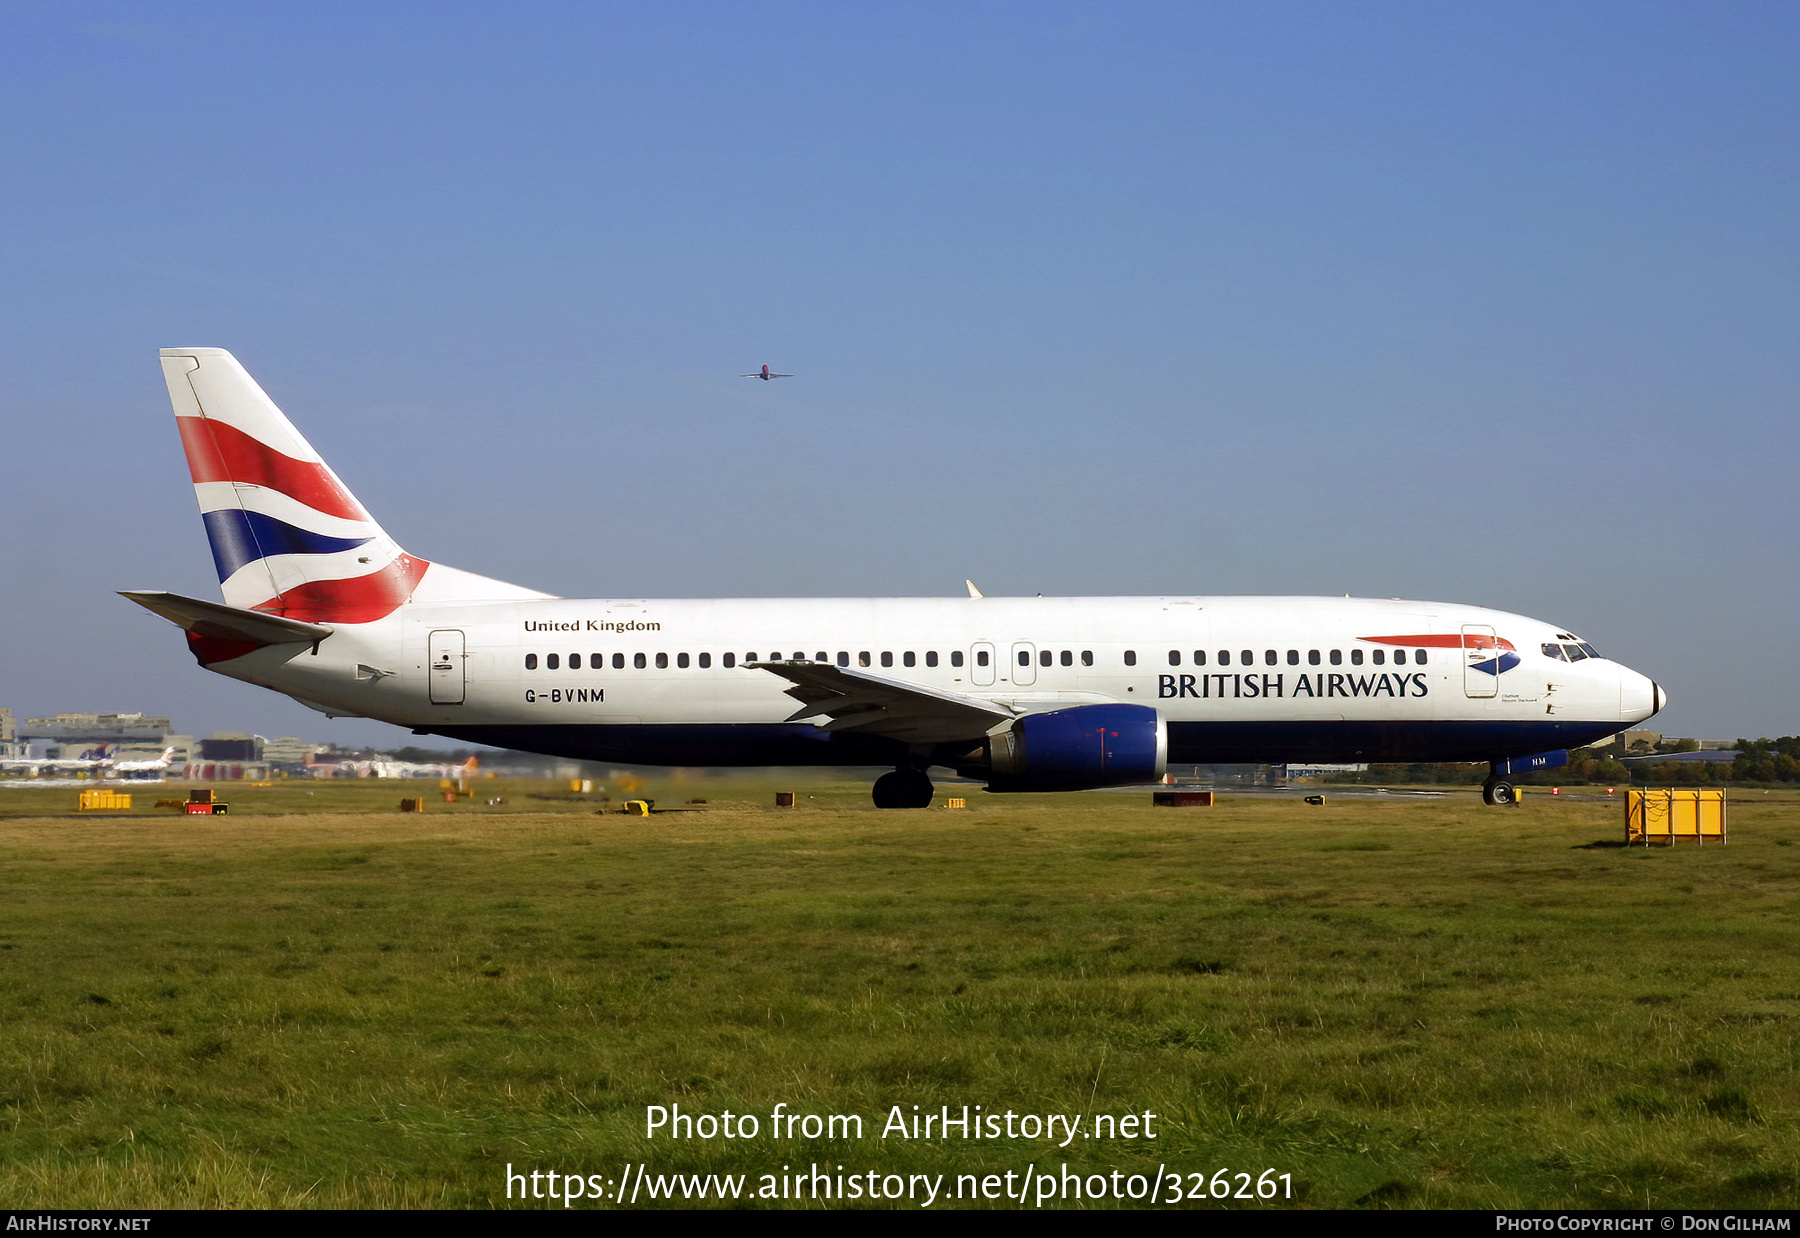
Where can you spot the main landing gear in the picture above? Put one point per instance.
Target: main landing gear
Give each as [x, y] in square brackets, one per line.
[904, 788]
[1494, 791]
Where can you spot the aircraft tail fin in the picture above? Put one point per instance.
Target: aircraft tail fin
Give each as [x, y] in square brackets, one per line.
[288, 538]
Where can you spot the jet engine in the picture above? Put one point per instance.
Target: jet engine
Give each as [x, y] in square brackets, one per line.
[1078, 748]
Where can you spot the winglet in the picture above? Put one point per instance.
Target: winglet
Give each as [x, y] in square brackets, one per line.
[973, 591]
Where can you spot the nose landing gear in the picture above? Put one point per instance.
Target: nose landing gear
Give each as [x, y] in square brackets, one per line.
[904, 788]
[1496, 792]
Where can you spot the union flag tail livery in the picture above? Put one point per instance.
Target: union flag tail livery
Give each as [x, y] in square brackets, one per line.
[1027, 694]
[287, 536]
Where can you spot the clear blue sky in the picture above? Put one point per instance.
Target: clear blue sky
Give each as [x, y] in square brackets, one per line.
[1479, 303]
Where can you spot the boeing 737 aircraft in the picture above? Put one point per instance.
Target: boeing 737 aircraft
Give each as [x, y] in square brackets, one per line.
[1028, 694]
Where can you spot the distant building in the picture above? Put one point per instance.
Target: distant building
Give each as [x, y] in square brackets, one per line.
[231, 746]
[1710, 756]
[290, 753]
[126, 737]
[90, 730]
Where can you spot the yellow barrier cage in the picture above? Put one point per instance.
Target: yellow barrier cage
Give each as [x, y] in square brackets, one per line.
[1669, 817]
[103, 800]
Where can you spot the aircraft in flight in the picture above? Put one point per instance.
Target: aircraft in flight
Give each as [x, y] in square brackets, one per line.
[765, 375]
[1028, 694]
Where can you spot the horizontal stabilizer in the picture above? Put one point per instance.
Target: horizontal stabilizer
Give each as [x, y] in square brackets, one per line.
[215, 621]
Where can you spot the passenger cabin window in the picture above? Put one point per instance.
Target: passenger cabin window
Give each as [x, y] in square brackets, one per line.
[909, 658]
[843, 658]
[1087, 657]
[638, 660]
[1356, 657]
[550, 661]
[1068, 659]
[574, 661]
[1337, 657]
[1293, 657]
[728, 660]
[862, 659]
[681, 661]
[531, 660]
[1312, 657]
[930, 658]
[1174, 657]
[1269, 658]
[596, 660]
[1419, 657]
[822, 657]
[981, 658]
[1249, 657]
[1224, 657]
[1199, 657]
[1379, 656]
[618, 661]
[1024, 658]
[1131, 657]
[887, 658]
[705, 660]
[662, 661]
[1045, 658]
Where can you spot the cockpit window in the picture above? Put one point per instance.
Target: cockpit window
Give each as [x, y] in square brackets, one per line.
[1554, 651]
[1589, 650]
[1575, 653]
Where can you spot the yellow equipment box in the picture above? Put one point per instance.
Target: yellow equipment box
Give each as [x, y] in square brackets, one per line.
[1668, 817]
[104, 800]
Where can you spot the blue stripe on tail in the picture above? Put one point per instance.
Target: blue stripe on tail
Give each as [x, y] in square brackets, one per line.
[240, 537]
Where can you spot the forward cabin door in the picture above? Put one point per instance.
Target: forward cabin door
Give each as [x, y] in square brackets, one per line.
[447, 659]
[1480, 644]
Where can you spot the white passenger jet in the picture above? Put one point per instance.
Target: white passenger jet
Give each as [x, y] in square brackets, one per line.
[95, 763]
[1029, 694]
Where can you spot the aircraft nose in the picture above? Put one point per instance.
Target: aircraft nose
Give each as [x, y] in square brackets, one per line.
[1640, 697]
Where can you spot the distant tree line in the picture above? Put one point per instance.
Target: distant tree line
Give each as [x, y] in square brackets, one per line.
[1766, 762]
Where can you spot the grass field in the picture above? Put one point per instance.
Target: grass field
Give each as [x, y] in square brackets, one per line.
[319, 1001]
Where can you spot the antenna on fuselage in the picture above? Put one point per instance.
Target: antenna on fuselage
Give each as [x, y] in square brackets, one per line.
[973, 591]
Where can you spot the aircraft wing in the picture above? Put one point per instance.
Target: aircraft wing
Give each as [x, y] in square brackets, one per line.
[215, 619]
[857, 701]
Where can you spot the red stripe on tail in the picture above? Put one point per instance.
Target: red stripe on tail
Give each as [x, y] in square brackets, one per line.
[358, 599]
[217, 451]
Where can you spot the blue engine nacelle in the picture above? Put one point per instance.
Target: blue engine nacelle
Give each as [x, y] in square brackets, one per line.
[1074, 749]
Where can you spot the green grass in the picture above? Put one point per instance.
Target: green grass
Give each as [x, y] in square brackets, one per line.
[319, 1001]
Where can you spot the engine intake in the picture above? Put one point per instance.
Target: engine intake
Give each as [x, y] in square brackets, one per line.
[1078, 748]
